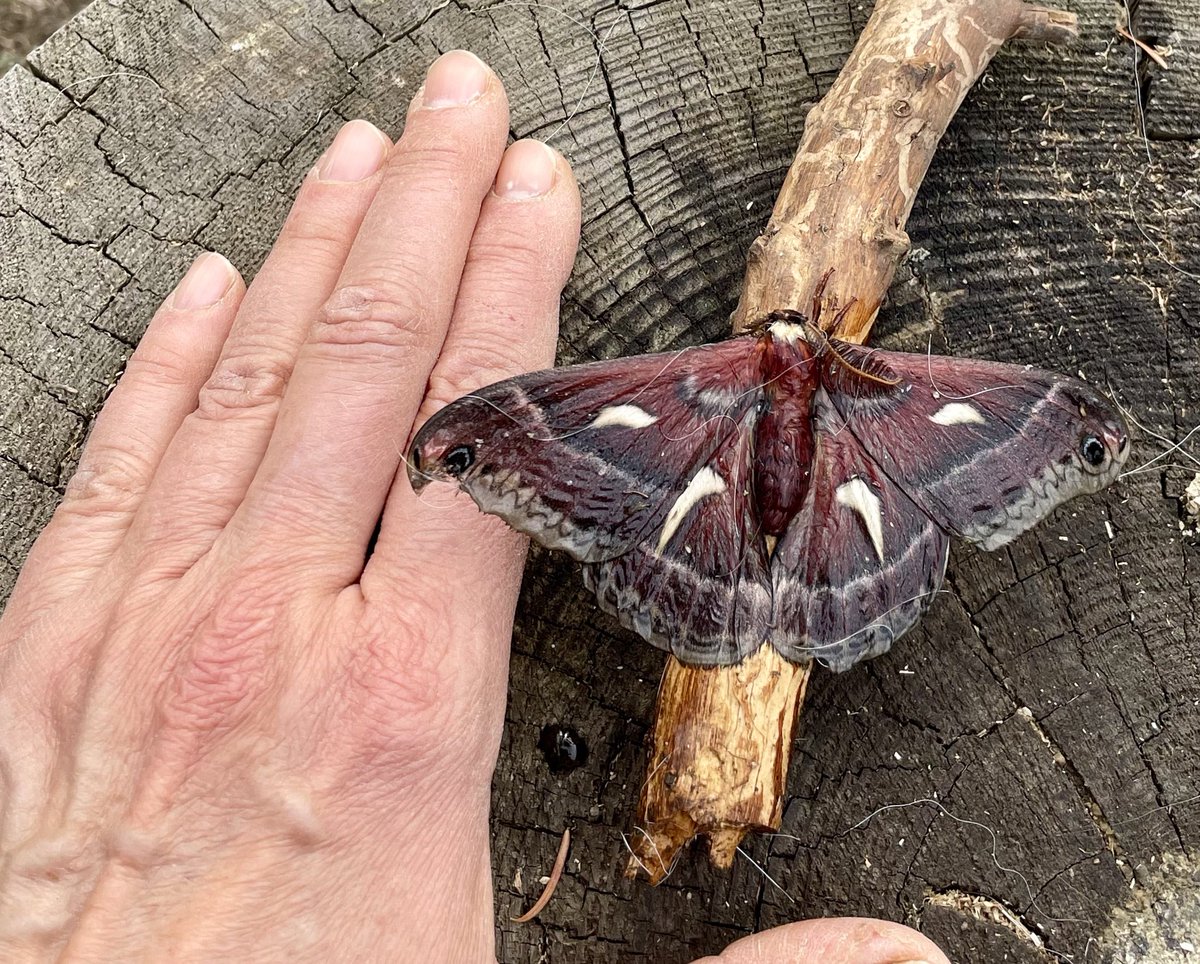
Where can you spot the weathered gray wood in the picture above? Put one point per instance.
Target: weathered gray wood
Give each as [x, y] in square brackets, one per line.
[1051, 696]
[26, 23]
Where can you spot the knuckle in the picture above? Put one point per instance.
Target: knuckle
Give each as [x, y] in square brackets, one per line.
[172, 535]
[226, 667]
[388, 314]
[244, 381]
[511, 260]
[399, 684]
[316, 230]
[106, 482]
[516, 272]
[433, 162]
[154, 363]
[487, 358]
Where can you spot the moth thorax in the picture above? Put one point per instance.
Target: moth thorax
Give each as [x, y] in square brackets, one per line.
[788, 333]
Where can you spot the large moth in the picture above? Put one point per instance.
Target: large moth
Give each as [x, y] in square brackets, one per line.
[781, 485]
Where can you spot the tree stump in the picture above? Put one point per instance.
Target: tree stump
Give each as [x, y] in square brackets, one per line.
[1017, 778]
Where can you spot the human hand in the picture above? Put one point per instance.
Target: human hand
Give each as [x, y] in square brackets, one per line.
[236, 722]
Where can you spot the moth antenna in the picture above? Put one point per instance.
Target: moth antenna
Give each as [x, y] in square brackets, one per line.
[841, 315]
[890, 383]
[818, 296]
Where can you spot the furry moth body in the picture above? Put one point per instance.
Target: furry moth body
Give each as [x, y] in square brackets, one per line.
[780, 486]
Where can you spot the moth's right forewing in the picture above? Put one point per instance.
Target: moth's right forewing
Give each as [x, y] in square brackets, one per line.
[986, 449]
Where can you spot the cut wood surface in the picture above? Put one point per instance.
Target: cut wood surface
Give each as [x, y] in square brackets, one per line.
[1050, 701]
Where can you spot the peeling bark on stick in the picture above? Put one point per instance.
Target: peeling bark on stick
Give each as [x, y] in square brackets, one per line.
[722, 737]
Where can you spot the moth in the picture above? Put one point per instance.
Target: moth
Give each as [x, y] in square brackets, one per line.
[780, 486]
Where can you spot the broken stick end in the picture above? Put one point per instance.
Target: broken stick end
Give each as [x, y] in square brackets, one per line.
[719, 758]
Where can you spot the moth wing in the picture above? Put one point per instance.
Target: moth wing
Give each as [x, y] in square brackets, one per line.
[698, 585]
[641, 469]
[589, 459]
[859, 564]
[987, 449]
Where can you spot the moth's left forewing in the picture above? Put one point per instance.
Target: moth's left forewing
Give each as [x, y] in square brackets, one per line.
[583, 458]
[986, 449]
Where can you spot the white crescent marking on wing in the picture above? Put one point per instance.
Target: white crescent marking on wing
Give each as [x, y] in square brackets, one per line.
[704, 483]
[625, 416]
[857, 495]
[958, 413]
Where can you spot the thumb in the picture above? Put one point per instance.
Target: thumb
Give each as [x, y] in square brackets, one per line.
[834, 940]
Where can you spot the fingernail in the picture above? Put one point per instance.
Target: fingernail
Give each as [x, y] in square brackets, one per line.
[206, 282]
[355, 154]
[456, 78]
[527, 170]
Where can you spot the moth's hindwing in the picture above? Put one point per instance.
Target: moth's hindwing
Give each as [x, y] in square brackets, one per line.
[859, 564]
[698, 584]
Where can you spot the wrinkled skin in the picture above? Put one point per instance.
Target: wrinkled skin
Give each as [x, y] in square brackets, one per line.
[225, 735]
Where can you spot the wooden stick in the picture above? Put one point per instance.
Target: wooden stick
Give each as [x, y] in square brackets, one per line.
[722, 736]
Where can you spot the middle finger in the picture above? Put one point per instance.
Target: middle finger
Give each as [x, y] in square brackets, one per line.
[361, 375]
